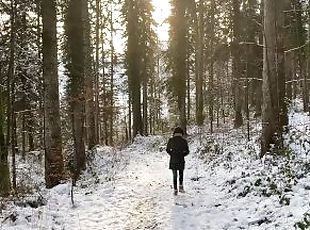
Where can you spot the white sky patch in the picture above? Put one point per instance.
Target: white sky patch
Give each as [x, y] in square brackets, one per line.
[162, 10]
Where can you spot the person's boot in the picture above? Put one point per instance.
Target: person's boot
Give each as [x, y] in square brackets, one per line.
[175, 192]
[181, 189]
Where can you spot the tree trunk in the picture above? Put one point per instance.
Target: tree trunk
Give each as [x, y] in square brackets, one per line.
[236, 65]
[13, 134]
[188, 90]
[111, 79]
[54, 168]
[23, 136]
[134, 74]
[129, 119]
[105, 134]
[11, 121]
[97, 74]
[30, 129]
[145, 105]
[211, 67]
[4, 164]
[76, 30]
[274, 113]
[90, 110]
[199, 63]
[180, 61]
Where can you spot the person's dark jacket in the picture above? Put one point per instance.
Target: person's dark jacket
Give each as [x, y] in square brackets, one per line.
[177, 148]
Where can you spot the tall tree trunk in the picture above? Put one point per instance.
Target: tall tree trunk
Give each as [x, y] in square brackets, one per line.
[111, 78]
[211, 67]
[105, 134]
[145, 104]
[258, 83]
[75, 30]
[40, 141]
[30, 130]
[23, 136]
[180, 61]
[289, 75]
[90, 110]
[11, 121]
[302, 58]
[188, 90]
[134, 74]
[4, 164]
[54, 168]
[274, 109]
[129, 119]
[236, 65]
[13, 133]
[199, 63]
[97, 74]
[306, 83]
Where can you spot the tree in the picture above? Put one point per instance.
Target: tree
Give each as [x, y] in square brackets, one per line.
[274, 115]
[178, 56]
[133, 63]
[236, 63]
[90, 106]
[76, 68]
[53, 140]
[199, 57]
[4, 164]
[139, 59]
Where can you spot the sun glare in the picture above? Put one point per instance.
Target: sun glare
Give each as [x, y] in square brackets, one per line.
[162, 10]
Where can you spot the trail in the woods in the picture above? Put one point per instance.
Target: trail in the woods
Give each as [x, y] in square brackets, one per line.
[142, 198]
[131, 189]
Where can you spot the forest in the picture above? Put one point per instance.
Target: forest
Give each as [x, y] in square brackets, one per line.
[82, 78]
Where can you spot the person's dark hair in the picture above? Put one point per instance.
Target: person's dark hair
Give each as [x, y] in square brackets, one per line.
[178, 130]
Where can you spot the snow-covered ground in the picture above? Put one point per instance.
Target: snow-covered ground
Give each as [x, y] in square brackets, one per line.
[227, 187]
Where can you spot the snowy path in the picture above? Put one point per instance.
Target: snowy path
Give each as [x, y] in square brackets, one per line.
[140, 196]
[143, 199]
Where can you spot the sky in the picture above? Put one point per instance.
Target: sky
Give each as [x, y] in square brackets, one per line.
[162, 9]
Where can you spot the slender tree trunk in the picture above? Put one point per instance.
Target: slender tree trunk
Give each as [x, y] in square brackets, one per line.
[23, 136]
[211, 68]
[30, 129]
[13, 134]
[105, 135]
[188, 91]
[4, 164]
[199, 68]
[289, 75]
[236, 66]
[54, 168]
[152, 102]
[41, 84]
[97, 108]
[11, 121]
[306, 83]
[111, 79]
[145, 104]
[129, 119]
[91, 112]
[258, 82]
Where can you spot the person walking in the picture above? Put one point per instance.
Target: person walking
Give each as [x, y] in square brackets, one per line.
[177, 148]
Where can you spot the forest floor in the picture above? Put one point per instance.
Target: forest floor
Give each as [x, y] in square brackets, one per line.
[227, 187]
